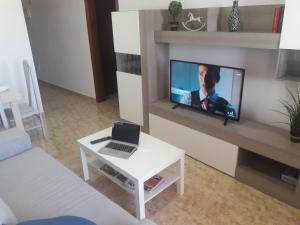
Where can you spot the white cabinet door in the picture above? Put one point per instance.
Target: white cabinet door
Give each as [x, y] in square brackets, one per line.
[126, 31]
[130, 97]
[207, 149]
[290, 36]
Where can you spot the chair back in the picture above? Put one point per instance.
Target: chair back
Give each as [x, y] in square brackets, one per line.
[31, 92]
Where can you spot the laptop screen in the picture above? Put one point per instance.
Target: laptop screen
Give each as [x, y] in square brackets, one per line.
[126, 132]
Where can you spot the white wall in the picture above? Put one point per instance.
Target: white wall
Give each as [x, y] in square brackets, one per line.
[60, 45]
[188, 4]
[14, 47]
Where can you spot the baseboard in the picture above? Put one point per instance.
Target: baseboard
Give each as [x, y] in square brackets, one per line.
[46, 84]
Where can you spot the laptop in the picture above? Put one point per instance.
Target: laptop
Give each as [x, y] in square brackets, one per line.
[125, 139]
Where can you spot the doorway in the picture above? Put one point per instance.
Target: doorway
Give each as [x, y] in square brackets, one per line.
[99, 24]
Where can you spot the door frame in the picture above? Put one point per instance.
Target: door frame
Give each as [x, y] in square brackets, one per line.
[99, 81]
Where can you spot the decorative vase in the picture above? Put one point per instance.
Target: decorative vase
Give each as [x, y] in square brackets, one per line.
[234, 19]
[174, 26]
[295, 136]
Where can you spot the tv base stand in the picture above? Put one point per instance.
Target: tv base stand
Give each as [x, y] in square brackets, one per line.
[225, 122]
[176, 106]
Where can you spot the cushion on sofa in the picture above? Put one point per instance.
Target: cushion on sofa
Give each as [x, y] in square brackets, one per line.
[63, 220]
[6, 215]
[12, 142]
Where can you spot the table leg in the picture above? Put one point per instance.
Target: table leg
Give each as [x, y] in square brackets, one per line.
[140, 200]
[84, 164]
[17, 115]
[180, 171]
[3, 117]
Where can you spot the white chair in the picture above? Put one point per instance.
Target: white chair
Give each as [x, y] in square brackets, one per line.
[31, 109]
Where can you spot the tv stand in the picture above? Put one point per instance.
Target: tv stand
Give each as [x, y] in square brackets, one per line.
[176, 106]
[228, 148]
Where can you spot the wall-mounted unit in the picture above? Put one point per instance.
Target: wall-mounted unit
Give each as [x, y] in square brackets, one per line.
[205, 138]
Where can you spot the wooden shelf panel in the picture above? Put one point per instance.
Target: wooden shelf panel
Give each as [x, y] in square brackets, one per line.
[226, 39]
[262, 139]
[268, 184]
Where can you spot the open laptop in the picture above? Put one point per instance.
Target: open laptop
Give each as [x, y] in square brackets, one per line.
[125, 140]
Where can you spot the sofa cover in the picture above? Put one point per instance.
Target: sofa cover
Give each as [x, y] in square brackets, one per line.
[36, 186]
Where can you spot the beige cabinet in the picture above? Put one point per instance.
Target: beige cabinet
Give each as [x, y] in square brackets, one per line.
[207, 149]
[130, 97]
[126, 31]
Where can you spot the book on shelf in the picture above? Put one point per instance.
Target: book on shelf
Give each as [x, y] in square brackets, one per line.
[153, 183]
[276, 20]
[122, 178]
[290, 176]
[129, 184]
[109, 170]
[279, 29]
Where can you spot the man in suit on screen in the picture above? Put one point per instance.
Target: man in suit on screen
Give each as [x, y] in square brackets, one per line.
[206, 97]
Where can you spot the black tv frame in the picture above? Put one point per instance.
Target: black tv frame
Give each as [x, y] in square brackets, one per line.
[200, 110]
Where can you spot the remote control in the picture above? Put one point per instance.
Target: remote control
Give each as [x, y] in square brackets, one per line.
[100, 140]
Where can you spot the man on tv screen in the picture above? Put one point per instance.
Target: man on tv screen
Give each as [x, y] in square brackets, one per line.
[206, 98]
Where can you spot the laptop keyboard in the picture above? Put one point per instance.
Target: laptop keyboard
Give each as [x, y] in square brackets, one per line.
[120, 147]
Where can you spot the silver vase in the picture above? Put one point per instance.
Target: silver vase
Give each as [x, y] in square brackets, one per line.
[234, 19]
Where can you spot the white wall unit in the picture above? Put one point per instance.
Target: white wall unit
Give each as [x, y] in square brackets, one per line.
[126, 30]
[209, 150]
[188, 4]
[130, 97]
[60, 44]
[15, 47]
[290, 33]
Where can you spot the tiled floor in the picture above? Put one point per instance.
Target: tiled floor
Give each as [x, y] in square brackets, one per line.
[211, 198]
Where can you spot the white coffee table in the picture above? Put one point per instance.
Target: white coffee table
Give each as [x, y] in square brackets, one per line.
[152, 157]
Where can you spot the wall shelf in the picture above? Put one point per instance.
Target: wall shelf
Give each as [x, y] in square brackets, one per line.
[291, 78]
[288, 65]
[225, 39]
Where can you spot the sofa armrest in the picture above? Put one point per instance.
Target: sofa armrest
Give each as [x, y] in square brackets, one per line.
[13, 142]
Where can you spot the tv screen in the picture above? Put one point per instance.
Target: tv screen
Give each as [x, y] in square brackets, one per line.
[209, 88]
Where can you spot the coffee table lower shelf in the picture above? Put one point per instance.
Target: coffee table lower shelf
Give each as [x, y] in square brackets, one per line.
[169, 179]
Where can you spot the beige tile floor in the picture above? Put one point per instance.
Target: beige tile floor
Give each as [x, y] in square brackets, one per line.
[211, 198]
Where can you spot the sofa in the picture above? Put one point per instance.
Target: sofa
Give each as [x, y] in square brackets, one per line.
[36, 186]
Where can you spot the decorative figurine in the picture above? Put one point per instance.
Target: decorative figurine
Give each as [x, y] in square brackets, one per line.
[192, 21]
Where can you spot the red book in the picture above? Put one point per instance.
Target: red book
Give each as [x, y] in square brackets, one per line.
[276, 20]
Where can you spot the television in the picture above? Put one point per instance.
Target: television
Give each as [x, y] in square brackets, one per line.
[209, 88]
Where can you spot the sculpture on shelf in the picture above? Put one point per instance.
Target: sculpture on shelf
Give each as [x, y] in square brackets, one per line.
[175, 9]
[234, 19]
[197, 22]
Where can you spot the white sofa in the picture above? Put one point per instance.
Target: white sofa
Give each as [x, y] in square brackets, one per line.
[36, 186]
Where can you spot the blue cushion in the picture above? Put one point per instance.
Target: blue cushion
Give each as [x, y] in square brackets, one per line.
[63, 220]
